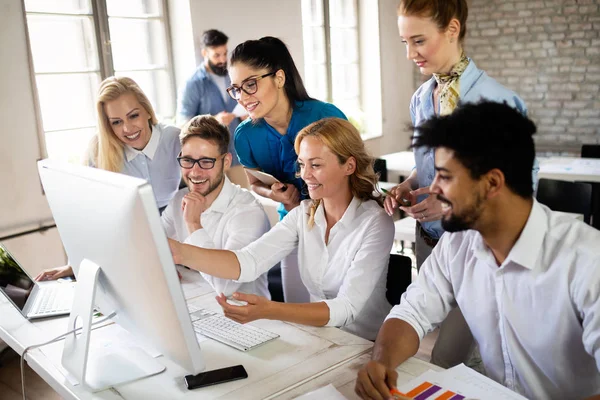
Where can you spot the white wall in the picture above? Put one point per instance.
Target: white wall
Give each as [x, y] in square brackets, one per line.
[182, 40]
[22, 204]
[242, 20]
[370, 67]
[397, 85]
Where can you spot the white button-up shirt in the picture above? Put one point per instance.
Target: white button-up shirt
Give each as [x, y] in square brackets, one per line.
[157, 162]
[234, 220]
[348, 273]
[536, 318]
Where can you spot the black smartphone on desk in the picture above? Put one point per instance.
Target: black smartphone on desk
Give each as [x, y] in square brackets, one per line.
[215, 376]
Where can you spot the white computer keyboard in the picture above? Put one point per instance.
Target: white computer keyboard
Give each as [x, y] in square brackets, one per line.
[220, 328]
[52, 299]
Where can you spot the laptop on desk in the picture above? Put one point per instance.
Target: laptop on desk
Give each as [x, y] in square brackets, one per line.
[33, 299]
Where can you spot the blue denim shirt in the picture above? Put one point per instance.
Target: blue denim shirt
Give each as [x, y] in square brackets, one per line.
[201, 96]
[475, 85]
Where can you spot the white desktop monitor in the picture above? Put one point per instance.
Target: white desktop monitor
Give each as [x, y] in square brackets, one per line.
[112, 220]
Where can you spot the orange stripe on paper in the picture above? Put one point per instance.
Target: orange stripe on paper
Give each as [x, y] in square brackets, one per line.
[447, 395]
[419, 389]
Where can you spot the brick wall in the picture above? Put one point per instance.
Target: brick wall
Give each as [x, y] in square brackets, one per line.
[549, 53]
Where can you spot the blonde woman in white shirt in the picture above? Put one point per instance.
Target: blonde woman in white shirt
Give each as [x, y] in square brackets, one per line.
[343, 237]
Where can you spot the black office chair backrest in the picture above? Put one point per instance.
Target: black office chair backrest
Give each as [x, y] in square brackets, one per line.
[275, 285]
[590, 151]
[399, 277]
[593, 151]
[572, 197]
[380, 167]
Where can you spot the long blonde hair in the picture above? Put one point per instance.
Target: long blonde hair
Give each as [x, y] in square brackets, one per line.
[108, 151]
[343, 140]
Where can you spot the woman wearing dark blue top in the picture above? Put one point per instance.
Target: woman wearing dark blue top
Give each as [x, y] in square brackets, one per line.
[266, 82]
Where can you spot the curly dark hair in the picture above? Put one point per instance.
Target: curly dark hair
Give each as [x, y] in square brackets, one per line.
[484, 136]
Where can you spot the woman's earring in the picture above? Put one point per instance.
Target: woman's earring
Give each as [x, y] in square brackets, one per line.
[451, 40]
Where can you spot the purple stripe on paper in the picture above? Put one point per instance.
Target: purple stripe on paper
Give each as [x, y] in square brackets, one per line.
[457, 397]
[428, 393]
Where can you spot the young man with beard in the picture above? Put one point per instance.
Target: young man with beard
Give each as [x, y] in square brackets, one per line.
[526, 279]
[205, 93]
[211, 212]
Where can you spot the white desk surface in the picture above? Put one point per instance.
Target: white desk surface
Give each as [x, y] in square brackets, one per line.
[399, 164]
[570, 169]
[344, 377]
[298, 355]
[560, 168]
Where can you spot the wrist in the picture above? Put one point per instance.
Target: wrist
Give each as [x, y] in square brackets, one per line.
[406, 185]
[271, 310]
[383, 360]
[412, 183]
[193, 226]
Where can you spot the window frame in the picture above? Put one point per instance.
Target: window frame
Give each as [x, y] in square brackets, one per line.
[328, 57]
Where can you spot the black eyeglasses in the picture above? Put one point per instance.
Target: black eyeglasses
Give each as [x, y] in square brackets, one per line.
[249, 86]
[204, 162]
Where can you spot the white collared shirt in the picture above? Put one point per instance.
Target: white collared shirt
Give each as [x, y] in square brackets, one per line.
[536, 318]
[234, 220]
[157, 162]
[348, 273]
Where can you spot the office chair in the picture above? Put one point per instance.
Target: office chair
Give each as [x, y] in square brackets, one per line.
[380, 167]
[399, 277]
[275, 283]
[571, 197]
[593, 151]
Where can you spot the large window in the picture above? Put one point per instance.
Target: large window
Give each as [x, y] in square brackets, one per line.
[75, 44]
[331, 53]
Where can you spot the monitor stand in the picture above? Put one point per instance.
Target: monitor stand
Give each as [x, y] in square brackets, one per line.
[96, 369]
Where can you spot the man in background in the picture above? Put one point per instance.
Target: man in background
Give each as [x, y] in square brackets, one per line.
[205, 93]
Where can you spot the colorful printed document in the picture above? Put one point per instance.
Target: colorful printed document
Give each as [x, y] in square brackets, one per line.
[428, 390]
[460, 382]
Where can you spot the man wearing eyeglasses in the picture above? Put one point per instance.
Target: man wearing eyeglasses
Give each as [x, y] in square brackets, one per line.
[211, 212]
[205, 93]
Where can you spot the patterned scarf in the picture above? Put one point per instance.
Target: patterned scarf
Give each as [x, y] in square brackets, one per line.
[449, 83]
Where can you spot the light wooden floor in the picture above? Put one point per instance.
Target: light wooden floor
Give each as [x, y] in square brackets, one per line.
[10, 381]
